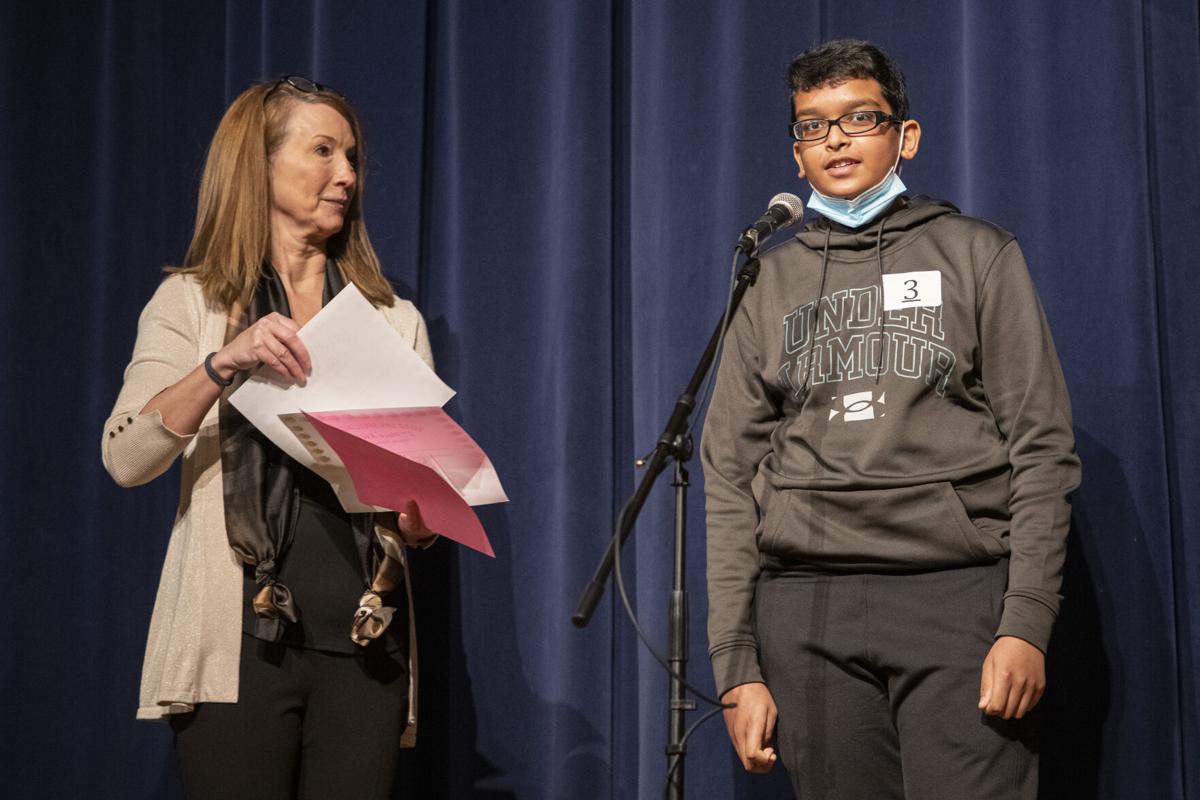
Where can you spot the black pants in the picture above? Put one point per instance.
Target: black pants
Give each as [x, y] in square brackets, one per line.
[876, 678]
[307, 724]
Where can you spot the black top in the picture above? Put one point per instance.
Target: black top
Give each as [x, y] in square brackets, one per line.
[324, 569]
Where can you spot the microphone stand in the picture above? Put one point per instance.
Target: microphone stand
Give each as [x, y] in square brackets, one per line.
[675, 442]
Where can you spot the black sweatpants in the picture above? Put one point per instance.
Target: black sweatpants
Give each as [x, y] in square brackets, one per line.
[307, 724]
[876, 678]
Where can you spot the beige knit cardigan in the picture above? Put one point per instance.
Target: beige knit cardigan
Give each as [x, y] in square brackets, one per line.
[195, 638]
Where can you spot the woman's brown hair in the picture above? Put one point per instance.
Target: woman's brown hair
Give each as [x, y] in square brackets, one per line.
[232, 235]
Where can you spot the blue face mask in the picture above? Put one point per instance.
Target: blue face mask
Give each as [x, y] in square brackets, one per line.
[862, 209]
[868, 205]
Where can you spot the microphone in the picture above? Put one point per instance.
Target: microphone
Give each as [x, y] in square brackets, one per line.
[783, 210]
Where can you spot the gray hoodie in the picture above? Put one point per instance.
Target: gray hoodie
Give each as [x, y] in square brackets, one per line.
[889, 400]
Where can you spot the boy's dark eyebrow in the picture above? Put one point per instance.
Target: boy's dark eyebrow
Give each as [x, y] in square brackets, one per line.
[871, 102]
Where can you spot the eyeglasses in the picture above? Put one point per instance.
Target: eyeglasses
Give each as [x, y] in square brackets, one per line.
[303, 84]
[856, 123]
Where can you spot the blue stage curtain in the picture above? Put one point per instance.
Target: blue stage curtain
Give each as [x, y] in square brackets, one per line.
[558, 184]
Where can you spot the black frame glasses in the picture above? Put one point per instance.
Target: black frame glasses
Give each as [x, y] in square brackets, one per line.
[303, 84]
[879, 117]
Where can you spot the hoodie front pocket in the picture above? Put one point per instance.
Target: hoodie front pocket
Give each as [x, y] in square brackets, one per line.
[978, 542]
[775, 518]
[921, 526]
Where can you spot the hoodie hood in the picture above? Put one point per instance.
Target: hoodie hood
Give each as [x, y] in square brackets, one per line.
[902, 220]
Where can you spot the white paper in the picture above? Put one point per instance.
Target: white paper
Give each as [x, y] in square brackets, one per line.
[359, 361]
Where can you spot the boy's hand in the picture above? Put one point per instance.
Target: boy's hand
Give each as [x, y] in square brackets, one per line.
[751, 725]
[1013, 680]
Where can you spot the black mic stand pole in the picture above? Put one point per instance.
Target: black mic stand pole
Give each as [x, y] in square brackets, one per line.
[675, 442]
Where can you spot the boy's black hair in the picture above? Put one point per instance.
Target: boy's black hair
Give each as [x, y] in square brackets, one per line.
[840, 60]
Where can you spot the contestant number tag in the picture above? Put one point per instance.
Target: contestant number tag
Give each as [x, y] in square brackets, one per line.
[912, 289]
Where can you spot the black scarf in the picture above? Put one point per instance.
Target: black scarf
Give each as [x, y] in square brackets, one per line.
[261, 504]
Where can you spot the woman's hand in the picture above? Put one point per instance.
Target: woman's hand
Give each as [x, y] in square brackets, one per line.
[272, 340]
[412, 527]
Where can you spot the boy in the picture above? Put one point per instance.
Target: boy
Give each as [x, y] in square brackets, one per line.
[887, 458]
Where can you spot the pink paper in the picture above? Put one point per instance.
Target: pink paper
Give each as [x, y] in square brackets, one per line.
[372, 448]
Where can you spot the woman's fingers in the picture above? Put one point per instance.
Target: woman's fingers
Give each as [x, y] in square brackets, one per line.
[413, 529]
[279, 358]
[411, 521]
[274, 341]
[287, 354]
[288, 334]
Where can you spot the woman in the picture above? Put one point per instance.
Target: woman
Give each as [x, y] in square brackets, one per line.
[270, 646]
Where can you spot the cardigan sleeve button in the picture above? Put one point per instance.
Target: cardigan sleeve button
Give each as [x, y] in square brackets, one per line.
[129, 420]
[111, 434]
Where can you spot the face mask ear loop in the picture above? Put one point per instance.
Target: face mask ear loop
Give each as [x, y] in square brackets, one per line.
[812, 325]
[882, 322]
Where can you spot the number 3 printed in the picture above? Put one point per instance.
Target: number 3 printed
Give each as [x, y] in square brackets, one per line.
[910, 291]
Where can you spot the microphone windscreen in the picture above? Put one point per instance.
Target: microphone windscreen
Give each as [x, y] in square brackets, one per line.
[793, 204]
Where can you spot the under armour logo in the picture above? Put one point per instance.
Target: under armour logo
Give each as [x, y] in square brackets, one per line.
[858, 406]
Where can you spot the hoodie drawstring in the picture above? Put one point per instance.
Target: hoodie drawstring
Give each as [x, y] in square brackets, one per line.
[879, 308]
[812, 324]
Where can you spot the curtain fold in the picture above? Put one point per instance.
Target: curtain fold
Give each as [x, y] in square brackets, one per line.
[1172, 52]
[559, 186]
[520, 209]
